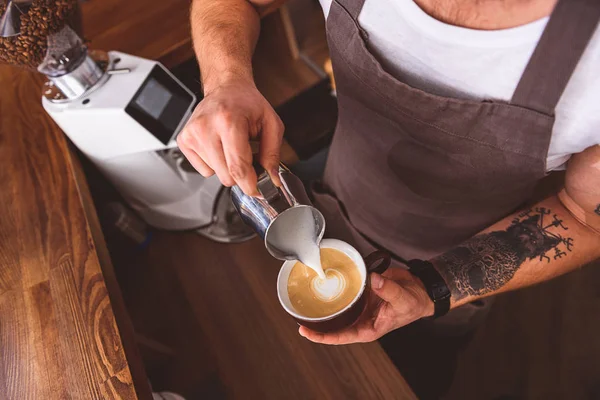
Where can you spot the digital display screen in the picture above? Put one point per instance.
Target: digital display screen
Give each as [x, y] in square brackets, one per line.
[153, 98]
[160, 104]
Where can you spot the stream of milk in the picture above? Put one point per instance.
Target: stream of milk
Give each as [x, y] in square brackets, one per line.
[295, 233]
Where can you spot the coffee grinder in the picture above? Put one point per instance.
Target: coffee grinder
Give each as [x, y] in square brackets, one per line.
[124, 113]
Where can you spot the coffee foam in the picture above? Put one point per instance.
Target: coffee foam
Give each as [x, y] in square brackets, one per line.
[313, 297]
[331, 287]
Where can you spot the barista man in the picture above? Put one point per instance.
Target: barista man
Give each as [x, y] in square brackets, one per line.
[450, 112]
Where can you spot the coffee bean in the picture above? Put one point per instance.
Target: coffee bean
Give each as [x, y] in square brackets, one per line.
[43, 18]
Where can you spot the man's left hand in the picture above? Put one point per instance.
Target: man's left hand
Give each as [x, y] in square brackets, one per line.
[397, 299]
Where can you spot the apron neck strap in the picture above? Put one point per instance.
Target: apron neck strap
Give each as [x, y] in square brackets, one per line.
[352, 6]
[564, 40]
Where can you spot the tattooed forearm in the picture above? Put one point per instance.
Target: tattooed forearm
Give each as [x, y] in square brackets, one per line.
[597, 210]
[488, 261]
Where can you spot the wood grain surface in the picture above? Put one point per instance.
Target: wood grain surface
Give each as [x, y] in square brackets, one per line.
[154, 29]
[254, 343]
[58, 334]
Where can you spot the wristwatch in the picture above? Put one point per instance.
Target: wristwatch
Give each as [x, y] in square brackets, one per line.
[436, 287]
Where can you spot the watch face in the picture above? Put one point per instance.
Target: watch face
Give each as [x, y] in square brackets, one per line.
[439, 290]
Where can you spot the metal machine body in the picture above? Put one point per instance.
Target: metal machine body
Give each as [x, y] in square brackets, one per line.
[126, 123]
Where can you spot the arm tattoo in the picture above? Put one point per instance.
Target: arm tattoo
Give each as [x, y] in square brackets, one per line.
[597, 210]
[488, 261]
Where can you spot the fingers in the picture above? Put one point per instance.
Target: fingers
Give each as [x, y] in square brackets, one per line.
[197, 162]
[397, 274]
[216, 139]
[199, 140]
[188, 144]
[385, 288]
[238, 155]
[350, 335]
[213, 154]
[270, 145]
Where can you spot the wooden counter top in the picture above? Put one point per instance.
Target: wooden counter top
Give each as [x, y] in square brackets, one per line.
[64, 330]
[250, 339]
[61, 335]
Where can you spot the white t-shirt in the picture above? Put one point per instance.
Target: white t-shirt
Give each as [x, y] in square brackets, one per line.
[474, 64]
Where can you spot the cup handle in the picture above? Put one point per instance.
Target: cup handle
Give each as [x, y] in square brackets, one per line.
[378, 261]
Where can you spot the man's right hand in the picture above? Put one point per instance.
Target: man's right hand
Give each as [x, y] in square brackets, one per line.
[217, 137]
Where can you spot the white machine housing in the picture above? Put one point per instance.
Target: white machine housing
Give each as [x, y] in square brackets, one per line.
[127, 124]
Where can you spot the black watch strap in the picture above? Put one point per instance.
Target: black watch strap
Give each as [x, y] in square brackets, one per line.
[436, 287]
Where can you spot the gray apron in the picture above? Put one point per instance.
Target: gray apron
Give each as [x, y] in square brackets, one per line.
[416, 174]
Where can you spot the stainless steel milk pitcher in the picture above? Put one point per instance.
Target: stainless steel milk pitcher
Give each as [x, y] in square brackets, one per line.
[274, 211]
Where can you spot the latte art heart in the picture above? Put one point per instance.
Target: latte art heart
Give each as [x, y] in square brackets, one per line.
[315, 298]
[331, 287]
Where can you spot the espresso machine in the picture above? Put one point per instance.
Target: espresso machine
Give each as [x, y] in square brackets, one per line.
[124, 113]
